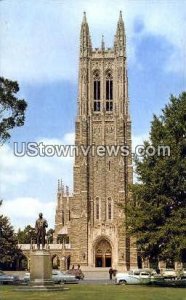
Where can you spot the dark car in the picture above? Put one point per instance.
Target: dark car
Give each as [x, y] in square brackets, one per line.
[8, 279]
[77, 273]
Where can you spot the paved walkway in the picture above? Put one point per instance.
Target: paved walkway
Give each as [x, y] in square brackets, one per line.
[93, 275]
[97, 281]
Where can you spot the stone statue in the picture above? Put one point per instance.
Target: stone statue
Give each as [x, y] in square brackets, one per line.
[40, 228]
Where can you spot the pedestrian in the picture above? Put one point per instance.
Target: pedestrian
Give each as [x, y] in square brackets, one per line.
[110, 273]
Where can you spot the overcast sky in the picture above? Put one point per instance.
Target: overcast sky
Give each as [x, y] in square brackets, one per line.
[39, 47]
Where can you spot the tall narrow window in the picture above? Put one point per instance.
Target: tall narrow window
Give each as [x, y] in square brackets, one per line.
[109, 208]
[67, 240]
[97, 208]
[109, 91]
[97, 90]
[63, 218]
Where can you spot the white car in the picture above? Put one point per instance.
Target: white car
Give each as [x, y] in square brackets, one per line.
[169, 273]
[57, 277]
[134, 277]
[26, 277]
[8, 279]
[61, 277]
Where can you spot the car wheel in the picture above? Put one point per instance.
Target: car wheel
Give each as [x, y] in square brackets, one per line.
[123, 282]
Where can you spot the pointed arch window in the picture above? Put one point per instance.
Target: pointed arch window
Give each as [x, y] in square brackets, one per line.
[67, 240]
[97, 90]
[109, 91]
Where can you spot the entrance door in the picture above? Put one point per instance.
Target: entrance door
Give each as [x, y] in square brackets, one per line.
[108, 262]
[99, 262]
[103, 254]
[68, 263]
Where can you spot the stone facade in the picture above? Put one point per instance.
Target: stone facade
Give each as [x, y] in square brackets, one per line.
[91, 220]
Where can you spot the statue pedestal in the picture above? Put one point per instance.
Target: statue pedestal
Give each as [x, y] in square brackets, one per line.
[41, 268]
[41, 273]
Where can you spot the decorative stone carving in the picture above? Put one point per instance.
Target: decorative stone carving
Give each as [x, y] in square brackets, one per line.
[120, 73]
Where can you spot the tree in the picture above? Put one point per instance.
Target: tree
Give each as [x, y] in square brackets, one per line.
[27, 235]
[12, 109]
[8, 244]
[156, 215]
[49, 235]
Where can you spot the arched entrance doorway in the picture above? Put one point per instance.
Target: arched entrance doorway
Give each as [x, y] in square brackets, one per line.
[22, 263]
[103, 254]
[68, 262]
[55, 262]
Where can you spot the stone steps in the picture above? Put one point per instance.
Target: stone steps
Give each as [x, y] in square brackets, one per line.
[95, 273]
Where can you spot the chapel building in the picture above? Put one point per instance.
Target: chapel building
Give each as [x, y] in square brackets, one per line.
[91, 222]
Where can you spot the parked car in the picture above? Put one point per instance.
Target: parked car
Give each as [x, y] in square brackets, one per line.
[76, 272]
[183, 274]
[26, 277]
[8, 279]
[62, 277]
[135, 277]
[169, 273]
[57, 277]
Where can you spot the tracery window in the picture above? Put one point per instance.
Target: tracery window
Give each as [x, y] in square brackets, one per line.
[67, 240]
[97, 90]
[109, 91]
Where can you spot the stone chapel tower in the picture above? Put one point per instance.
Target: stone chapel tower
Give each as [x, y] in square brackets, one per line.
[96, 226]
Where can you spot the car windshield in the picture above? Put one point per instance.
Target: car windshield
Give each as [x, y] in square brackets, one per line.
[136, 273]
[55, 272]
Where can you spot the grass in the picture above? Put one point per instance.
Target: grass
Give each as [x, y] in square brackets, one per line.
[97, 292]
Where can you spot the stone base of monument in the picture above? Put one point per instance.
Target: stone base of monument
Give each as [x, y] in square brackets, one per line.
[41, 273]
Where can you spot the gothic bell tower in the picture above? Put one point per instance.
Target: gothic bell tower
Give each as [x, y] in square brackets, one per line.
[101, 178]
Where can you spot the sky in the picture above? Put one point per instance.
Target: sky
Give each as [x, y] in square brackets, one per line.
[39, 48]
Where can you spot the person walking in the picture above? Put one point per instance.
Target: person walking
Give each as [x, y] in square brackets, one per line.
[110, 273]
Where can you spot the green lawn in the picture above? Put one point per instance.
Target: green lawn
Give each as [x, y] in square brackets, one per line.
[97, 292]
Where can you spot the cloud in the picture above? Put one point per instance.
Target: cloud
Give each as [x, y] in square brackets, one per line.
[26, 181]
[23, 211]
[21, 170]
[28, 184]
[41, 42]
